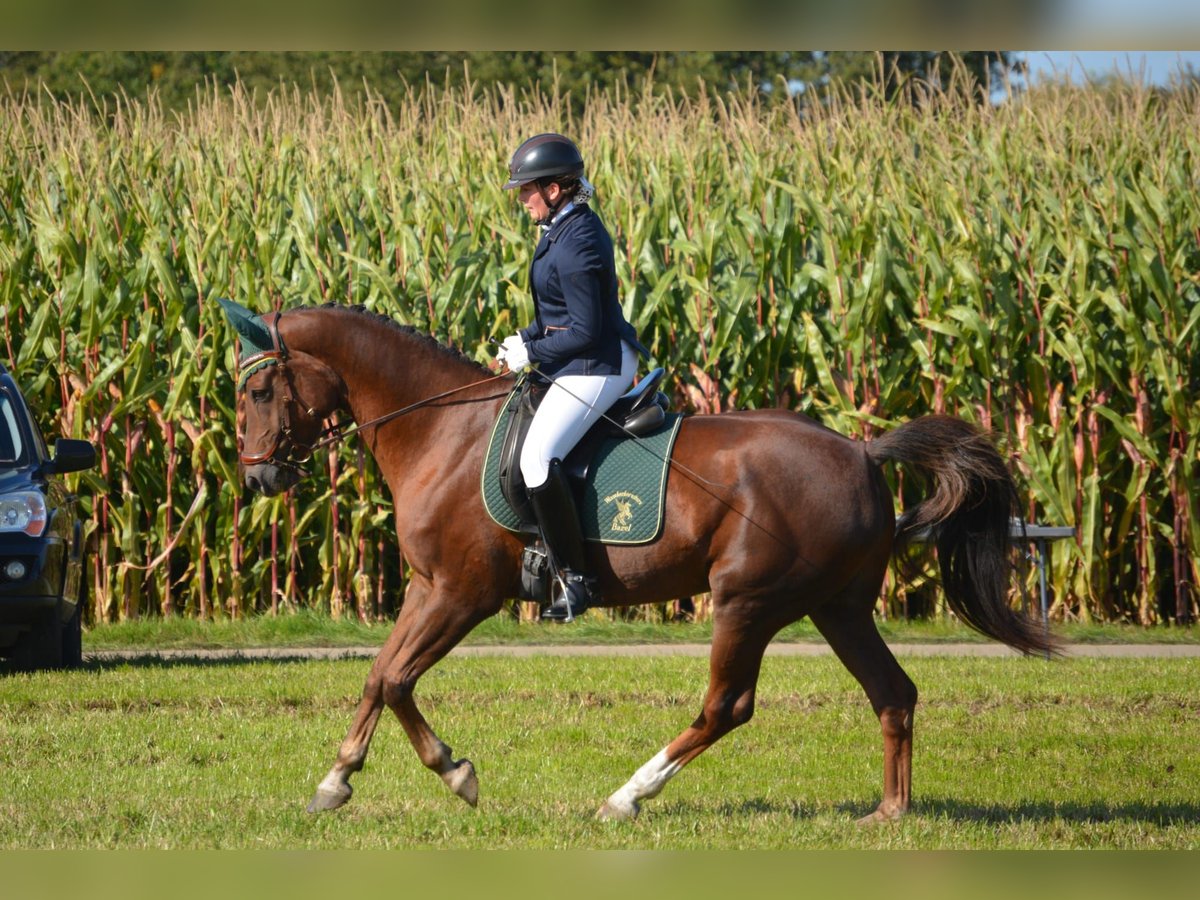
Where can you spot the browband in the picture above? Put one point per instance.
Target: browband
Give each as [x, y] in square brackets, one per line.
[275, 357]
[256, 362]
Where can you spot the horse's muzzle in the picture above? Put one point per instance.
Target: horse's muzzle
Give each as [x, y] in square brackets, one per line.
[270, 479]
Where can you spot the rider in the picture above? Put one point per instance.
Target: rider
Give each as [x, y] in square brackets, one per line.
[579, 341]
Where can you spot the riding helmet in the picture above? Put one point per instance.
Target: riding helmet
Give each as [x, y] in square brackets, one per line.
[544, 156]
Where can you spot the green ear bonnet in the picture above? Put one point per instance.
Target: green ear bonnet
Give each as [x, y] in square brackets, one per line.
[255, 338]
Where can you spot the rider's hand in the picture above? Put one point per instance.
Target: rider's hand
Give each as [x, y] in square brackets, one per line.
[513, 354]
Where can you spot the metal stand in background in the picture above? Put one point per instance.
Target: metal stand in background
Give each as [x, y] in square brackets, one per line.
[1040, 536]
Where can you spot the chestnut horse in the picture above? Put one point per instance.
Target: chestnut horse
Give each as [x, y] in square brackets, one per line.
[775, 515]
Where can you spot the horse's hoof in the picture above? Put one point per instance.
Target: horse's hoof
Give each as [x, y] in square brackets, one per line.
[461, 779]
[881, 816]
[329, 798]
[610, 812]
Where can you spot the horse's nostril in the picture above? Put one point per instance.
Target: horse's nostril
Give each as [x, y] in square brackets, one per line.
[253, 483]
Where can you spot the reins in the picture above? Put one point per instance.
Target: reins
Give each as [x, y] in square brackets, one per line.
[335, 433]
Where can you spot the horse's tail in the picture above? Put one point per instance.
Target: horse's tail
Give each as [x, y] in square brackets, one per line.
[968, 516]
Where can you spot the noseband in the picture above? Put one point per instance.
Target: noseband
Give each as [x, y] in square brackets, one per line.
[285, 450]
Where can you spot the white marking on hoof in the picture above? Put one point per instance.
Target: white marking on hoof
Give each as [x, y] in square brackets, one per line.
[610, 812]
[462, 781]
[646, 782]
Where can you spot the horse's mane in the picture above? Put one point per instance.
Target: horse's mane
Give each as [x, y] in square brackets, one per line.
[409, 332]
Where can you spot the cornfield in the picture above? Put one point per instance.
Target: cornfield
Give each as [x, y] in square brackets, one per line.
[1031, 266]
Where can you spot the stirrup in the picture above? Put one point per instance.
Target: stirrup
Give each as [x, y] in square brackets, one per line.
[573, 594]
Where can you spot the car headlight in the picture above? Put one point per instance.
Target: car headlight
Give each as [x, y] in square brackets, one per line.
[24, 512]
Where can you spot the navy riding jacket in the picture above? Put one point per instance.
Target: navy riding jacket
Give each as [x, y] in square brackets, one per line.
[579, 324]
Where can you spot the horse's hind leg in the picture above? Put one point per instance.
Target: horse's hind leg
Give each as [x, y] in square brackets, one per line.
[736, 656]
[847, 624]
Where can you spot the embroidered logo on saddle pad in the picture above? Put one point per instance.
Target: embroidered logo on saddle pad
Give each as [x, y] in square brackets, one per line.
[623, 498]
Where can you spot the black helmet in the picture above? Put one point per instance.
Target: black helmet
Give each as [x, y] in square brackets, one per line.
[544, 156]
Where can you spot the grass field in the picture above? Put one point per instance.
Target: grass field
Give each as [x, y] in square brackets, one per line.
[309, 629]
[1010, 753]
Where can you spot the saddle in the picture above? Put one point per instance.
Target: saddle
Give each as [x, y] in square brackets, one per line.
[640, 411]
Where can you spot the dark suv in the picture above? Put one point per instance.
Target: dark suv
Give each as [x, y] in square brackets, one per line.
[42, 583]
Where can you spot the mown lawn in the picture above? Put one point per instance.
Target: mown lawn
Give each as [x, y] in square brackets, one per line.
[309, 629]
[1011, 753]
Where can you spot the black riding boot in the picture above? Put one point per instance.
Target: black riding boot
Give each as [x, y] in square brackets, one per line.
[554, 506]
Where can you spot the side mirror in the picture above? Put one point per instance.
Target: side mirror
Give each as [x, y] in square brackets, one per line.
[72, 456]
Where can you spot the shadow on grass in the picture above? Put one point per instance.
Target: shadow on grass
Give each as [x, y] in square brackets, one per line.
[1159, 814]
[194, 658]
[1079, 812]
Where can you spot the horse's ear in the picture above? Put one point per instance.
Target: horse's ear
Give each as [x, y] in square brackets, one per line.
[250, 328]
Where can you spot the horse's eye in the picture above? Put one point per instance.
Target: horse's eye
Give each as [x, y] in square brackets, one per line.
[259, 395]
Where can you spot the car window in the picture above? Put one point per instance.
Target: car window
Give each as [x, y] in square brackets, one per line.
[39, 445]
[12, 447]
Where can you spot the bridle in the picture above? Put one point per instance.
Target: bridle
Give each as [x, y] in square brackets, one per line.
[294, 453]
[286, 450]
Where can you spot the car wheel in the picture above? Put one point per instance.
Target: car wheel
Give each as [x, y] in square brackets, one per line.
[41, 647]
[72, 639]
[72, 631]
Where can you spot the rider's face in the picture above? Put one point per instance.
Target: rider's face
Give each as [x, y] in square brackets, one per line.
[534, 203]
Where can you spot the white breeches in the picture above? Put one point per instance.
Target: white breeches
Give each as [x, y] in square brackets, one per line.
[571, 406]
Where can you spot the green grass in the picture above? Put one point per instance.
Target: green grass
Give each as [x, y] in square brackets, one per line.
[1010, 753]
[307, 629]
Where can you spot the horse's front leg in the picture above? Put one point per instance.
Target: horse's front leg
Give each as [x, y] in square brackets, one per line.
[458, 774]
[334, 789]
[449, 612]
[430, 624]
[434, 618]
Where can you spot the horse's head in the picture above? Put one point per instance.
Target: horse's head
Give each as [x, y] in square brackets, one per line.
[283, 398]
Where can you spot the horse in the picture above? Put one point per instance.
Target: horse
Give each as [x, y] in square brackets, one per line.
[774, 515]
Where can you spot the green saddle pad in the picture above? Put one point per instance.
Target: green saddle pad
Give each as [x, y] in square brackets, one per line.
[625, 493]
